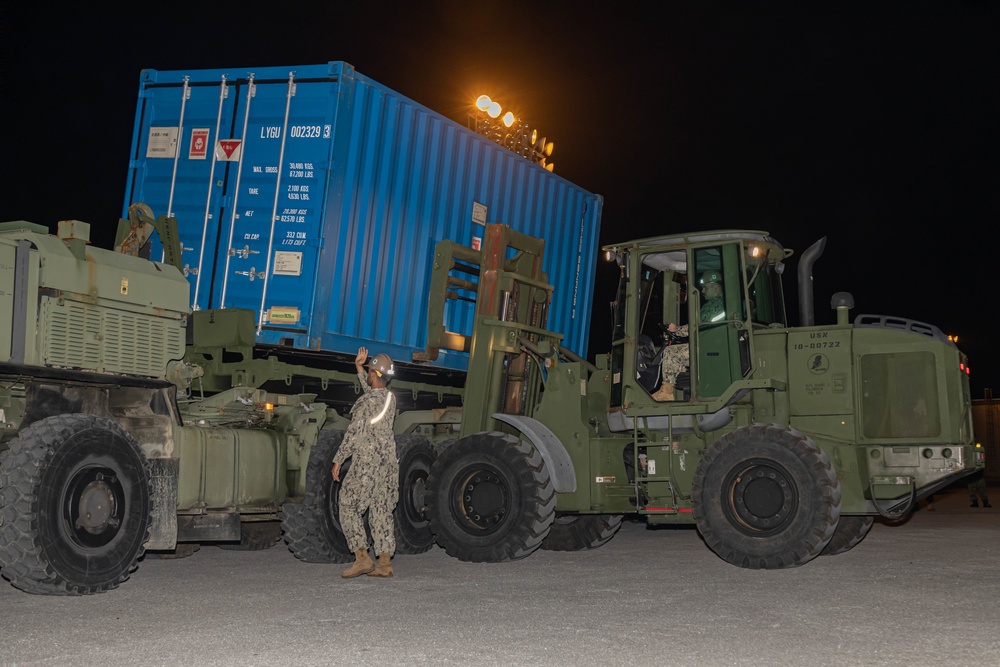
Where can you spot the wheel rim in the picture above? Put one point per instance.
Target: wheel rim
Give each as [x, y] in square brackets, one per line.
[414, 500]
[94, 502]
[417, 503]
[759, 498]
[481, 500]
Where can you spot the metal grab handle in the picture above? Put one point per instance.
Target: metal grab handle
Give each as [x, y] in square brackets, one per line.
[234, 216]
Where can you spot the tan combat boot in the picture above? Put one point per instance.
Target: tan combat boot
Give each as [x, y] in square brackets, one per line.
[384, 568]
[664, 393]
[363, 564]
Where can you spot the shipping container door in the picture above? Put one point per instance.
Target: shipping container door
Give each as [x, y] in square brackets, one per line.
[275, 204]
[175, 169]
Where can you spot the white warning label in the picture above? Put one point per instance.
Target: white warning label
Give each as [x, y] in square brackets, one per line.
[479, 213]
[287, 263]
[162, 142]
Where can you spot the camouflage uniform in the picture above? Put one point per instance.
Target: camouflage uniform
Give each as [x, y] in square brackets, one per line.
[977, 489]
[372, 483]
[676, 357]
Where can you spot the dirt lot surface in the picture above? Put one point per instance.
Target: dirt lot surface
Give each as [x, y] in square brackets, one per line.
[922, 593]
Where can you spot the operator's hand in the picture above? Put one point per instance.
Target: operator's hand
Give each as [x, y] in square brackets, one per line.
[336, 470]
[359, 361]
[672, 336]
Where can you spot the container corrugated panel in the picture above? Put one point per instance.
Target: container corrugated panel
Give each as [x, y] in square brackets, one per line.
[314, 196]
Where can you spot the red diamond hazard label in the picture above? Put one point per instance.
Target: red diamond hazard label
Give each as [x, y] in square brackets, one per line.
[229, 150]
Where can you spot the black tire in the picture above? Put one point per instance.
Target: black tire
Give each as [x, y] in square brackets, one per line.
[74, 506]
[312, 528]
[850, 531]
[490, 498]
[255, 536]
[575, 532]
[765, 497]
[411, 528]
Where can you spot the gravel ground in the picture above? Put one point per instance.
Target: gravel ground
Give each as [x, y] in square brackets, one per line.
[921, 593]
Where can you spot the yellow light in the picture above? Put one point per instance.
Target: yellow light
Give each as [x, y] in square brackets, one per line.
[534, 136]
[269, 406]
[508, 119]
[548, 149]
[483, 102]
[550, 166]
[494, 109]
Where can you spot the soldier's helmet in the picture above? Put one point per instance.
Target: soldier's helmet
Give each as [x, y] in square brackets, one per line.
[710, 277]
[382, 365]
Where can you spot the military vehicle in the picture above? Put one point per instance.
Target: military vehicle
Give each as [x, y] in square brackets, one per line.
[133, 425]
[779, 443]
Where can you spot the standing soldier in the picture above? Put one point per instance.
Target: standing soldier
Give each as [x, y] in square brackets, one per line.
[977, 490]
[372, 483]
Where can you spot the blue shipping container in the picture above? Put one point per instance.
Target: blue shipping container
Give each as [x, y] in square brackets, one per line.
[314, 196]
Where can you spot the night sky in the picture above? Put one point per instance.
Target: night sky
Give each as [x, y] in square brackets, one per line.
[875, 124]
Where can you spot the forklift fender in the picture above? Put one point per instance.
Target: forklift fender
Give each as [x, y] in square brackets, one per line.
[549, 446]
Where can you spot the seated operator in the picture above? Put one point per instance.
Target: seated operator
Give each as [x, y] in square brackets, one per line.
[676, 354]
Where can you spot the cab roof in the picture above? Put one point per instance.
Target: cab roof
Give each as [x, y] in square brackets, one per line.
[690, 238]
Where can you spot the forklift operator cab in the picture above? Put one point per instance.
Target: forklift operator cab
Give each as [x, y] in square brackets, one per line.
[716, 287]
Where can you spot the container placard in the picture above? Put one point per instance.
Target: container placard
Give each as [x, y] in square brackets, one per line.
[229, 150]
[287, 263]
[283, 315]
[198, 150]
[479, 213]
[162, 142]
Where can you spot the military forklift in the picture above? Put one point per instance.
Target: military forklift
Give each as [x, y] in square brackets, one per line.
[780, 443]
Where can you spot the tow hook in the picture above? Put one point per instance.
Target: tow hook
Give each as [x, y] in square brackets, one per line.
[894, 481]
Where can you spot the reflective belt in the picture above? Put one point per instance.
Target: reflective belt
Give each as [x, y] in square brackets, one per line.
[385, 408]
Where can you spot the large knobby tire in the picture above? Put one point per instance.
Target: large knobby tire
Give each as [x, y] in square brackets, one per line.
[850, 531]
[312, 528]
[490, 498]
[766, 497]
[74, 506]
[575, 532]
[411, 528]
